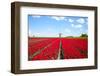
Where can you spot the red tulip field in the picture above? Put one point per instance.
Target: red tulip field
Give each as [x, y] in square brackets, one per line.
[57, 48]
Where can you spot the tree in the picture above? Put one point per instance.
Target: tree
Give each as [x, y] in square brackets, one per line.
[83, 35]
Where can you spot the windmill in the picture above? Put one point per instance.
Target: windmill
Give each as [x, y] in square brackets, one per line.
[60, 35]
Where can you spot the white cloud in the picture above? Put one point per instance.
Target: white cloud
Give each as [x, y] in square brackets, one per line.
[81, 20]
[37, 33]
[33, 34]
[65, 19]
[36, 16]
[58, 18]
[30, 34]
[71, 20]
[76, 26]
[72, 25]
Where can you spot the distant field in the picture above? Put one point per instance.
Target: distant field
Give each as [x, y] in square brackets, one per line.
[57, 48]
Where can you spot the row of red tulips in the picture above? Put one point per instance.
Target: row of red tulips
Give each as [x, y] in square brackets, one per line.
[48, 48]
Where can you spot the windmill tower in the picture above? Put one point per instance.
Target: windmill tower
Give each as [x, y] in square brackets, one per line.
[59, 35]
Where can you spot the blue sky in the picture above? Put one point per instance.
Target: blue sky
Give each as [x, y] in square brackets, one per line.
[51, 26]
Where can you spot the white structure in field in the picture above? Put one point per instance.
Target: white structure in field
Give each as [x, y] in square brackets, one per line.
[59, 35]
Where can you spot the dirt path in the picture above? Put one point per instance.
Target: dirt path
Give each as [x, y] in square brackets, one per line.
[61, 52]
